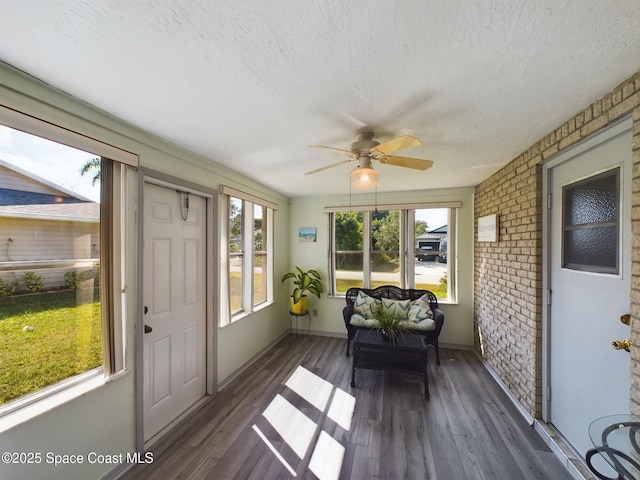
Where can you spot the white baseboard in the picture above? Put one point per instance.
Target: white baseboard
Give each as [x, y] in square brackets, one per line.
[523, 411]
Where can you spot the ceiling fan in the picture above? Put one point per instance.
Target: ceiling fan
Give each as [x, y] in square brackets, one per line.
[365, 149]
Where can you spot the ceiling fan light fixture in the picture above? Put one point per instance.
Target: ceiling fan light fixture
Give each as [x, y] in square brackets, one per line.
[364, 178]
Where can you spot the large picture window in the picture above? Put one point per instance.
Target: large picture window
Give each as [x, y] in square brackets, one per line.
[406, 247]
[58, 312]
[249, 243]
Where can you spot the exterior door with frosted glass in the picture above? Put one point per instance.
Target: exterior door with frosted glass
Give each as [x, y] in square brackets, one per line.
[590, 269]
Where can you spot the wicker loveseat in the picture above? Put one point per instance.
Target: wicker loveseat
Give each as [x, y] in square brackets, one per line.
[429, 328]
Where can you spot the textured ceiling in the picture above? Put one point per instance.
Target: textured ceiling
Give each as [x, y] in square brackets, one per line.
[252, 84]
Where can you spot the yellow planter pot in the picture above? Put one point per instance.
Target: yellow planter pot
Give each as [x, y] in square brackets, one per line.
[300, 307]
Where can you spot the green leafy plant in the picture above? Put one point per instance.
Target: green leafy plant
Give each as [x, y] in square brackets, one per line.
[72, 279]
[309, 281]
[442, 285]
[96, 277]
[9, 288]
[390, 321]
[92, 167]
[33, 282]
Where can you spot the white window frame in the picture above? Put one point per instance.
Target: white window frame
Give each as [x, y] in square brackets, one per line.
[407, 242]
[248, 254]
[29, 406]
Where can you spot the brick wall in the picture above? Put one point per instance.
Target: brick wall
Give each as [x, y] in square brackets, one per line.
[508, 273]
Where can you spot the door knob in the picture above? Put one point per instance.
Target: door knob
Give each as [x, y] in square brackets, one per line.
[626, 319]
[148, 329]
[622, 344]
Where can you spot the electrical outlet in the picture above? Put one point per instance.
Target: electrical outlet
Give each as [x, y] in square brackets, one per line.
[315, 312]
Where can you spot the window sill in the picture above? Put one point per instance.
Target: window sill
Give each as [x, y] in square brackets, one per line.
[239, 316]
[24, 410]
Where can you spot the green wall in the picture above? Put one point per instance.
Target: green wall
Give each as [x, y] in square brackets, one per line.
[309, 212]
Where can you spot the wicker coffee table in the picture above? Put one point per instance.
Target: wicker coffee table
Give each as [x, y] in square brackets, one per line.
[372, 352]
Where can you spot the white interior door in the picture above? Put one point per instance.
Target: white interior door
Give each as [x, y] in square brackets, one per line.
[174, 305]
[590, 270]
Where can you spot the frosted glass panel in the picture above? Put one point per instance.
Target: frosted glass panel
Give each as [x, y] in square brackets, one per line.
[591, 223]
[592, 247]
[593, 202]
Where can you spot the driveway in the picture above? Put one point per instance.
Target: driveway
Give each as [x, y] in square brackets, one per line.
[425, 272]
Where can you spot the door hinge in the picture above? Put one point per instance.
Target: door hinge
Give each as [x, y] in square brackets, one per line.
[549, 201]
[549, 297]
[549, 393]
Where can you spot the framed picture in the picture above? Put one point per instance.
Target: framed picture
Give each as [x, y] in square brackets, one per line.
[307, 234]
[488, 228]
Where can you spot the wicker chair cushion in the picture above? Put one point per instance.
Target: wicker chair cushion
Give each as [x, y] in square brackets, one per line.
[425, 325]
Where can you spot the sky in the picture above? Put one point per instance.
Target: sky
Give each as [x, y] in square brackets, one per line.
[435, 217]
[49, 160]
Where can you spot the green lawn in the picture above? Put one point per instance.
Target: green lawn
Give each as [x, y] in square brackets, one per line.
[235, 288]
[45, 338]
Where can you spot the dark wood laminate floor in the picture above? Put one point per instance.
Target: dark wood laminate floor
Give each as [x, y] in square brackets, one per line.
[467, 430]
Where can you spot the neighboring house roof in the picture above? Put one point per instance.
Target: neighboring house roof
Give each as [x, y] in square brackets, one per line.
[63, 205]
[442, 229]
[435, 234]
[20, 197]
[77, 212]
[63, 191]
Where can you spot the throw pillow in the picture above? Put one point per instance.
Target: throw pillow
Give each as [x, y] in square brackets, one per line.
[420, 309]
[365, 305]
[399, 306]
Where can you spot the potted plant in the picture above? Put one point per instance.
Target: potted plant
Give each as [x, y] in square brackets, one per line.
[308, 281]
[390, 323]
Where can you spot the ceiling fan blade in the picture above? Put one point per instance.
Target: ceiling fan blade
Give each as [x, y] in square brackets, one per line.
[326, 167]
[348, 152]
[415, 163]
[400, 143]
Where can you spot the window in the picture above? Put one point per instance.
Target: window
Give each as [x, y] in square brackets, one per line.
[61, 231]
[406, 247]
[236, 252]
[260, 232]
[591, 223]
[250, 259]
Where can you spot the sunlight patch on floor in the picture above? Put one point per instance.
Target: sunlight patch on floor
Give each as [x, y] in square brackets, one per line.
[311, 387]
[341, 408]
[274, 451]
[294, 427]
[327, 457]
[299, 431]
